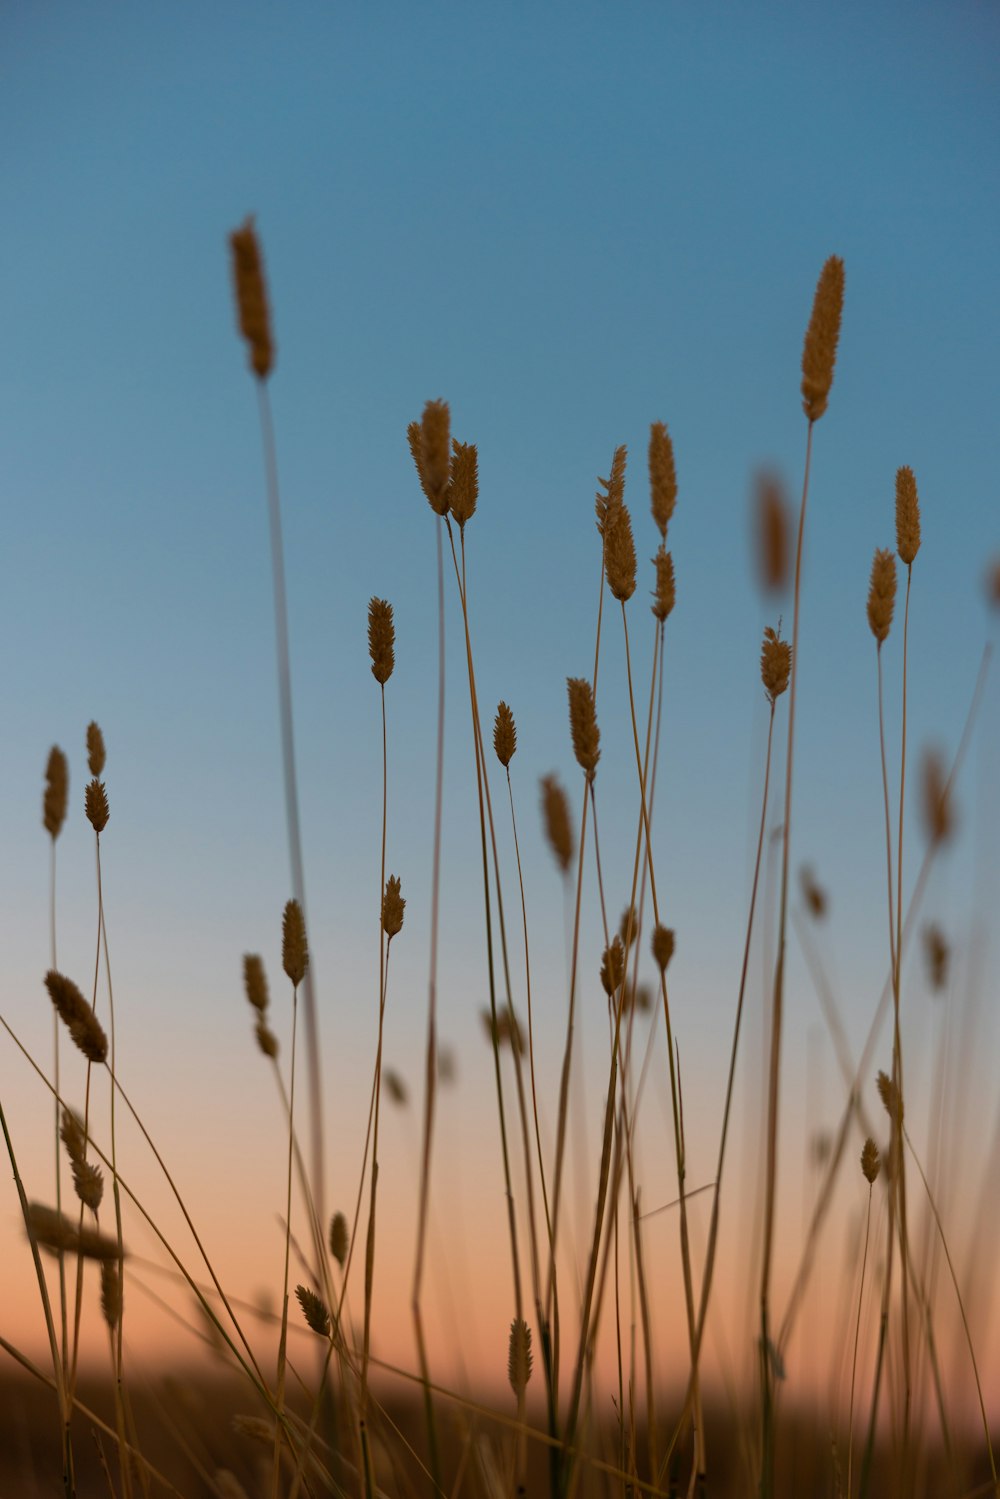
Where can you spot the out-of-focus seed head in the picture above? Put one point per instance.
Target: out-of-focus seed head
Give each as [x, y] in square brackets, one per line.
[772, 532]
[56, 797]
[251, 299]
[96, 754]
[555, 814]
[255, 981]
[937, 953]
[663, 946]
[338, 1238]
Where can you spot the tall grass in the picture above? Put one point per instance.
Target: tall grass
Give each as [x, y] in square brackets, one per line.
[336, 1425]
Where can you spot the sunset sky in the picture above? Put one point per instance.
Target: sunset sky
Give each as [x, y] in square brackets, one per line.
[569, 221]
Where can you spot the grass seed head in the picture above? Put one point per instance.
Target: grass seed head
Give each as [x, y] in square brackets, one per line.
[772, 532]
[57, 1232]
[251, 298]
[907, 515]
[504, 734]
[628, 927]
[819, 352]
[663, 946]
[396, 1088]
[609, 498]
[294, 952]
[662, 476]
[255, 982]
[96, 805]
[937, 953]
[519, 1355]
[812, 893]
[506, 1032]
[613, 967]
[555, 813]
[939, 815]
[889, 1093]
[870, 1162]
[463, 488]
[338, 1238]
[96, 753]
[56, 797]
[775, 663]
[430, 445]
[619, 555]
[381, 639]
[882, 593]
[77, 1015]
[665, 594]
[266, 1039]
[993, 584]
[583, 725]
[111, 1293]
[314, 1310]
[393, 906]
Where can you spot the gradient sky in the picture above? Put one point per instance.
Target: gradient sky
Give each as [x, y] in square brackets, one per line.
[568, 220]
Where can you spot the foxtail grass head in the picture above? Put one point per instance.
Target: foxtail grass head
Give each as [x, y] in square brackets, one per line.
[430, 446]
[463, 487]
[393, 906]
[504, 734]
[314, 1310]
[77, 1016]
[255, 982]
[619, 554]
[251, 298]
[870, 1162]
[888, 1091]
[96, 805]
[96, 753]
[613, 967]
[939, 814]
[56, 797]
[381, 639]
[775, 663]
[882, 593]
[609, 498]
[907, 516]
[819, 353]
[772, 532]
[294, 951]
[519, 1355]
[662, 944]
[665, 593]
[583, 725]
[338, 1238]
[662, 476]
[936, 955]
[555, 814]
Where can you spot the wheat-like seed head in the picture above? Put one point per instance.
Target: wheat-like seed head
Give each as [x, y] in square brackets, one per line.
[519, 1355]
[266, 1039]
[338, 1238]
[813, 894]
[665, 593]
[772, 532]
[939, 816]
[613, 967]
[662, 944]
[870, 1162]
[628, 927]
[57, 1232]
[111, 1294]
[583, 725]
[251, 298]
[463, 488]
[393, 906]
[619, 554]
[608, 503]
[937, 953]
[907, 515]
[56, 795]
[77, 1015]
[504, 734]
[314, 1310]
[889, 1093]
[96, 805]
[819, 352]
[430, 444]
[255, 981]
[775, 663]
[294, 952]
[96, 753]
[88, 1180]
[381, 639]
[555, 812]
[662, 476]
[882, 593]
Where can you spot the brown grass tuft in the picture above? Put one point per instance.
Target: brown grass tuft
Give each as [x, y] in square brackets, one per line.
[294, 952]
[504, 734]
[663, 946]
[907, 515]
[555, 812]
[870, 1162]
[381, 639]
[56, 796]
[583, 725]
[775, 663]
[665, 594]
[251, 298]
[393, 906]
[619, 555]
[772, 532]
[463, 489]
[819, 353]
[662, 476]
[882, 593]
[519, 1355]
[96, 805]
[96, 753]
[76, 1014]
[314, 1310]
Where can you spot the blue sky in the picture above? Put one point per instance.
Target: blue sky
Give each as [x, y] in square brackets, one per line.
[569, 220]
